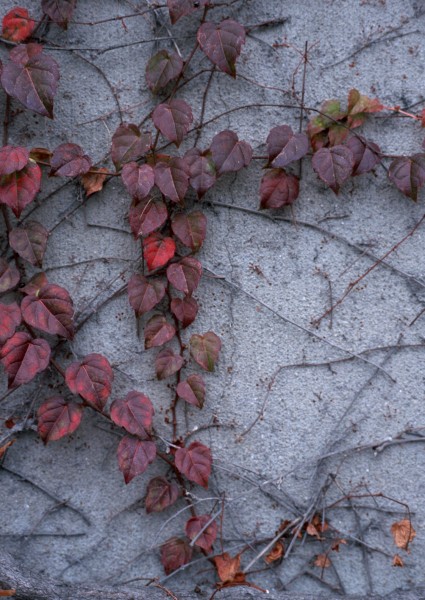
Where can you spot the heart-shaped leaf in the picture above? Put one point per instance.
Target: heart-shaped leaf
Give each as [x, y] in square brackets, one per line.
[162, 68]
[91, 378]
[359, 106]
[167, 363]
[9, 276]
[146, 216]
[129, 144]
[60, 11]
[17, 25]
[10, 319]
[201, 170]
[185, 274]
[13, 158]
[158, 332]
[202, 530]
[284, 146]
[173, 119]
[134, 456]
[93, 182]
[19, 189]
[366, 154]
[51, 310]
[175, 553]
[333, 165]
[181, 8]
[23, 357]
[194, 462]
[144, 294]
[190, 229]
[57, 418]
[158, 250]
[134, 413]
[160, 494]
[205, 349]
[69, 160]
[278, 189]
[228, 153]
[29, 241]
[138, 180]
[184, 309]
[408, 174]
[172, 178]
[192, 390]
[222, 43]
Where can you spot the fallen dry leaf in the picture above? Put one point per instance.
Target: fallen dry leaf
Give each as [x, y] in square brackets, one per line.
[276, 553]
[227, 566]
[93, 182]
[2, 453]
[398, 561]
[335, 546]
[403, 533]
[322, 561]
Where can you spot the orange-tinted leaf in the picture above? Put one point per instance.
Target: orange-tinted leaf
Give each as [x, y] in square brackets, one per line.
[9, 276]
[17, 25]
[408, 174]
[201, 170]
[366, 154]
[19, 189]
[146, 216]
[173, 119]
[398, 561]
[185, 274]
[160, 494]
[58, 418]
[333, 165]
[172, 178]
[175, 553]
[158, 250]
[227, 566]
[278, 189]
[91, 378]
[138, 180]
[190, 229]
[167, 363]
[276, 553]
[222, 43]
[184, 309]
[162, 68]
[23, 357]
[51, 311]
[3, 450]
[10, 319]
[29, 241]
[144, 294]
[158, 332]
[13, 158]
[192, 390]
[196, 525]
[337, 543]
[284, 146]
[93, 182]
[134, 413]
[359, 106]
[60, 11]
[229, 153]
[129, 144]
[134, 456]
[403, 533]
[322, 561]
[194, 462]
[69, 160]
[205, 349]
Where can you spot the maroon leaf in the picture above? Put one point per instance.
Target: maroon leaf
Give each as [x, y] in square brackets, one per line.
[284, 146]
[202, 530]
[134, 413]
[173, 119]
[222, 43]
[69, 160]
[134, 456]
[194, 462]
[185, 275]
[172, 178]
[60, 11]
[51, 310]
[146, 216]
[13, 159]
[366, 154]
[144, 294]
[158, 250]
[32, 78]
[228, 153]
[9, 276]
[184, 309]
[408, 174]
[201, 170]
[167, 363]
[35, 284]
[23, 357]
[162, 68]
[129, 144]
[190, 229]
[205, 349]
[175, 553]
[17, 25]
[29, 241]
[138, 180]
[181, 8]
[192, 390]
[19, 189]
[333, 165]
[160, 494]
[10, 319]
[158, 332]
[278, 189]
[91, 378]
[58, 418]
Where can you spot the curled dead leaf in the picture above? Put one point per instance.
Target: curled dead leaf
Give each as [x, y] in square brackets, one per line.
[398, 561]
[276, 553]
[403, 533]
[322, 561]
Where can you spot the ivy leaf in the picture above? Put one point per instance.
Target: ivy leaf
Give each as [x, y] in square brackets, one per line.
[284, 146]
[172, 178]
[60, 11]
[181, 8]
[9, 276]
[407, 173]
[184, 309]
[19, 189]
[144, 294]
[93, 182]
[173, 119]
[194, 462]
[205, 349]
[91, 378]
[278, 189]
[69, 160]
[13, 158]
[160, 494]
[167, 363]
[228, 153]
[175, 553]
[185, 274]
[197, 529]
[318, 128]
[222, 43]
[29, 241]
[146, 216]
[138, 180]
[359, 106]
[129, 144]
[162, 68]
[158, 332]
[58, 418]
[192, 390]
[333, 165]
[158, 250]
[51, 311]
[10, 319]
[366, 154]
[32, 78]
[23, 357]
[17, 25]
[190, 229]
[201, 170]
[35, 284]
[228, 567]
[134, 413]
[134, 456]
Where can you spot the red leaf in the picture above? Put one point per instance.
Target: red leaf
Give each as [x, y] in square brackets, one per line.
[284, 146]
[134, 413]
[35, 284]
[194, 462]
[172, 178]
[366, 154]
[192, 390]
[333, 165]
[222, 43]
[10, 319]
[175, 553]
[57, 418]
[185, 274]
[160, 494]
[60, 11]
[13, 159]
[228, 153]
[51, 311]
[196, 525]
[181, 8]
[205, 349]
[17, 25]
[162, 68]
[201, 170]
[69, 160]
[146, 216]
[93, 182]
[9, 276]
[129, 144]
[158, 250]
[91, 378]
[278, 189]
[167, 363]
[23, 357]
[184, 309]
[408, 174]
[359, 106]
[32, 78]
[173, 119]
[138, 180]
[29, 241]
[190, 229]
[134, 456]
[144, 294]
[158, 332]
[19, 189]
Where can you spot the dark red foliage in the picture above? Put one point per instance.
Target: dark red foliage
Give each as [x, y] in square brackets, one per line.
[19, 189]
[278, 189]
[284, 146]
[334, 165]
[408, 174]
[10, 319]
[173, 119]
[9, 276]
[222, 43]
[57, 418]
[146, 216]
[194, 462]
[205, 349]
[23, 357]
[160, 494]
[144, 294]
[91, 378]
[184, 309]
[192, 390]
[202, 530]
[158, 250]
[190, 229]
[181, 8]
[60, 11]
[172, 178]
[51, 311]
[158, 331]
[134, 456]
[185, 274]
[69, 160]
[30, 241]
[138, 180]
[175, 553]
[162, 68]
[17, 25]
[228, 153]
[134, 413]
[366, 154]
[167, 363]
[202, 171]
[129, 144]
[13, 158]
